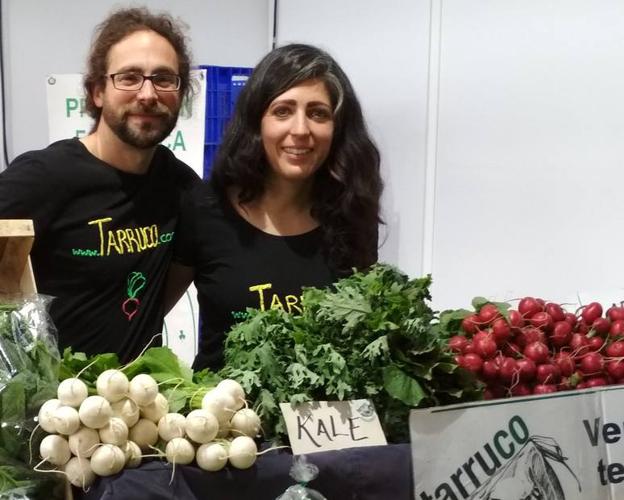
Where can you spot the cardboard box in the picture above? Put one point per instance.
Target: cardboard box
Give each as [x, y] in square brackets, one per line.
[16, 275]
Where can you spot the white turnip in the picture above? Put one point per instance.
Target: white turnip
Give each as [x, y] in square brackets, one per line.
[201, 426]
[133, 454]
[144, 433]
[55, 449]
[143, 389]
[221, 404]
[107, 460]
[211, 457]
[115, 432]
[66, 420]
[72, 392]
[156, 410]
[242, 452]
[83, 442]
[180, 451]
[172, 425]
[46, 415]
[79, 472]
[127, 410]
[95, 412]
[245, 422]
[112, 385]
[234, 389]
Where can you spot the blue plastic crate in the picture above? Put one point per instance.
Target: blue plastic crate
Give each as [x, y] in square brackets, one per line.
[223, 84]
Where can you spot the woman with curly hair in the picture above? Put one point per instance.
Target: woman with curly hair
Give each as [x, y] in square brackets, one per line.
[293, 200]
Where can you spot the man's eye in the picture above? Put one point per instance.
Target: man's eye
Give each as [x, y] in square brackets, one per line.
[129, 78]
[165, 81]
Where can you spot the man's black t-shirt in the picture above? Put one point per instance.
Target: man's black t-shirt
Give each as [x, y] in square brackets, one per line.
[103, 241]
[239, 266]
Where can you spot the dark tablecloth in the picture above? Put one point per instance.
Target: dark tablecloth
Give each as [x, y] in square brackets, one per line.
[371, 473]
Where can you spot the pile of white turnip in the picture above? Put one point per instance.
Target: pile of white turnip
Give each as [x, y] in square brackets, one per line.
[99, 435]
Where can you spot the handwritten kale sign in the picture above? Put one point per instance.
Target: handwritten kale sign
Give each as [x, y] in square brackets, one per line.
[332, 425]
[566, 446]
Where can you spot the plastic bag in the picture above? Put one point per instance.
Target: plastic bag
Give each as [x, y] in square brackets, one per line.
[302, 472]
[29, 365]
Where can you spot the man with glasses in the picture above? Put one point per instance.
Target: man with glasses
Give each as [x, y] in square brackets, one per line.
[105, 206]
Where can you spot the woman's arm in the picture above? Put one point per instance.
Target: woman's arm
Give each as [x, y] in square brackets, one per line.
[179, 278]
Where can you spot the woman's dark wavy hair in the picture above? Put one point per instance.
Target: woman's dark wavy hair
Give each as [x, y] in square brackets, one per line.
[115, 28]
[347, 188]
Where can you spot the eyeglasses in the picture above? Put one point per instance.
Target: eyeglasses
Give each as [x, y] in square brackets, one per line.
[163, 82]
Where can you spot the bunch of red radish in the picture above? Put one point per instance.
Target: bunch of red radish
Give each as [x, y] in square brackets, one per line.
[540, 348]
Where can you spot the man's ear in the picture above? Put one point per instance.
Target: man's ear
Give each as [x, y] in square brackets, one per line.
[98, 94]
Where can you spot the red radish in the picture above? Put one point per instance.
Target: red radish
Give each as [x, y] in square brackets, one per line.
[488, 313]
[526, 369]
[616, 312]
[528, 306]
[541, 302]
[515, 319]
[490, 369]
[571, 318]
[601, 326]
[565, 362]
[471, 362]
[511, 350]
[617, 328]
[470, 324]
[555, 311]
[544, 389]
[616, 349]
[582, 327]
[497, 390]
[615, 368]
[561, 334]
[508, 370]
[591, 363]
[468, 348]
[548, 373]
[500, 331]
[485, 346]
[529, 335]
[591, 312]
[521, 389]
[581, 385]
[542, 320]
[537, 351]
[579, 343]
[488, 395]
[457, 343]
[595, 382]
[596, 343]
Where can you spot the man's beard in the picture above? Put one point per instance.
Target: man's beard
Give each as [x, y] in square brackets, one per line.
[150, 134]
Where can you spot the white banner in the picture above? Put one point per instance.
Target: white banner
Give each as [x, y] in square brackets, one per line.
[67, 118]
[564, 446]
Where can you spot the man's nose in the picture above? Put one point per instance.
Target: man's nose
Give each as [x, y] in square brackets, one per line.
[147, 92]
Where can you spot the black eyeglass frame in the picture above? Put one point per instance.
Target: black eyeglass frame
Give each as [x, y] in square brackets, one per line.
[147, 77]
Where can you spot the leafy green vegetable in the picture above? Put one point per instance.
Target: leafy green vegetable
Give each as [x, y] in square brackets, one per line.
[371, 335]
[29, 365]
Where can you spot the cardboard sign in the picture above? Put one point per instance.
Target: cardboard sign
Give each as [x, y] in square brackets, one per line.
[564, 446]
[67, 118]
[332, 425]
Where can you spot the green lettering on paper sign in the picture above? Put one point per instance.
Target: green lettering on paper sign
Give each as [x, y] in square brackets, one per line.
[72, 105]
[178, 142]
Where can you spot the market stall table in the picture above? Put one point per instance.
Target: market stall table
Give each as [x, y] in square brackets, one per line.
[370, 473]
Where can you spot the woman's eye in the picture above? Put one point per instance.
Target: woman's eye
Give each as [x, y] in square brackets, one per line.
[320, 114]
[281, 112]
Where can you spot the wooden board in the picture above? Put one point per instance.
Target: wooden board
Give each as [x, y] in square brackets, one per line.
[16, 239]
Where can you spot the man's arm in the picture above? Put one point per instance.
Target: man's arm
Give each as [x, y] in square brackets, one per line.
[179, 278]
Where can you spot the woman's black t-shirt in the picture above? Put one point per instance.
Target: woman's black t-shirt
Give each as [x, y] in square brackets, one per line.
[239, 266]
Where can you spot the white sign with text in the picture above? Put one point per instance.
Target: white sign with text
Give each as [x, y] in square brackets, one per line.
[332, 425]
[563, 446]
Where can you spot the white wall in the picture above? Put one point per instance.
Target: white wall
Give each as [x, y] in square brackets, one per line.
[44, 37]
[383, 47]
[500, 125]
